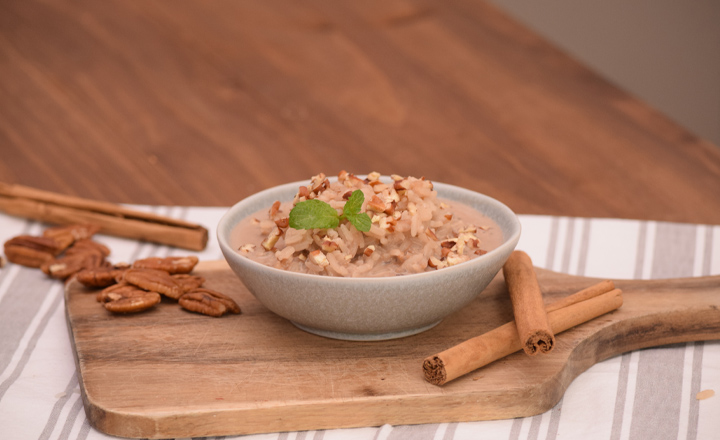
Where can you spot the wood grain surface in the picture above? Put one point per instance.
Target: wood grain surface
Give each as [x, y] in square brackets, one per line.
[203, 103]
[168, 373]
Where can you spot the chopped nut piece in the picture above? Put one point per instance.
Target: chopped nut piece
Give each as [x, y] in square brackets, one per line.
[329, 246]
[319, 183]
[272, 238]
[347, 195]
[436, 263]
[374, 176]
[376, 204]
[369, 250]
[448, 216]
[390, 207]
[319, 258]
[449, 243]
[274, 209]
[343, 176]
[283, 222]
[247, 248]
[453, 259]
[396, 177]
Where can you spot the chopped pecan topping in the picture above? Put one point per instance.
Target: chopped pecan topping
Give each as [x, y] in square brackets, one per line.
[283, 222]
[124, 298]
[319, 258]
[247, 248]
[271, 239]
[319, 183]
[369, 250]
[376, 204]
[274, 209]
[208, 302]
[434, 262]
[373, 177]
[30, 251]
[329, 246]
[154, 280]
[303, 191]
[171, 265]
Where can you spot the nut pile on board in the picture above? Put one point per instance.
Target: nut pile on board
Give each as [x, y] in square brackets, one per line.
[65, 252]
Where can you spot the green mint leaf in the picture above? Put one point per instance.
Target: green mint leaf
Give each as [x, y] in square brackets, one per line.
[313, 214]
[351, 211]
[361, 221]
[354, 203]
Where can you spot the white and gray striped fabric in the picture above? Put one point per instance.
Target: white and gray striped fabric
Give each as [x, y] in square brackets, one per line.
[646, 394]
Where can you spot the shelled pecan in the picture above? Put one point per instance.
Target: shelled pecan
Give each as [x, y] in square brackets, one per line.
[126, 298]
[31, 251]
[208, 302]
[153, 280]
[172, 265]
[101, 276]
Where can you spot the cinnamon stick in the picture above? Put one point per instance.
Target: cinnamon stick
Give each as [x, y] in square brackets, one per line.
[112, 219]
[502, 341]
[531, 318]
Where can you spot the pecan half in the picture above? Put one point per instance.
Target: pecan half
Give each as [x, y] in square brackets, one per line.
[153, 280]
[171, 265]
[125, 298]
[100, 276]
[68, 265]
[30, 251]
[208, 302]
[188, 282]
[88, 246]
[69, 234]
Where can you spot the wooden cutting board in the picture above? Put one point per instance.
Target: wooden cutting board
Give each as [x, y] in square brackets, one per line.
[169, 373]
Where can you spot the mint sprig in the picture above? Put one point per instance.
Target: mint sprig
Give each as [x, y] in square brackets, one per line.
[316, 214]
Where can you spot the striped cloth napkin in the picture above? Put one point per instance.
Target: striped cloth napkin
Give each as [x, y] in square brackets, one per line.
[658, 393]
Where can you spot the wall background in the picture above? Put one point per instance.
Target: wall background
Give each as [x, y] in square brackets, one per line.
[665, 52]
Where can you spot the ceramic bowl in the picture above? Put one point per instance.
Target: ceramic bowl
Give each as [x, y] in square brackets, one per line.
[369, 308]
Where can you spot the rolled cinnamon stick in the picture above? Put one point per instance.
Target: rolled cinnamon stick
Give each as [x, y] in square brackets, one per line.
[504, 340]
[531, 318]
[112, 219]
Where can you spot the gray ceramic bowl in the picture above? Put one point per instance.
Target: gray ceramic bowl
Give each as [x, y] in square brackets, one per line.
[369, 308]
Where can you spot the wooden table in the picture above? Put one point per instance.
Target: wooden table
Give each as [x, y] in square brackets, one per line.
[204, 103]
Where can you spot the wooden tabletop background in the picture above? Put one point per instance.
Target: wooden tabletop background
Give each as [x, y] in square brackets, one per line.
[204, 103]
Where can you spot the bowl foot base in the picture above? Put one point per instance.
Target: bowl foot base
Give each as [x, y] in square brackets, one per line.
[362, 336]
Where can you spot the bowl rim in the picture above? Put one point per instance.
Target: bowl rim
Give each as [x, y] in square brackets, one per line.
[229, 252]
